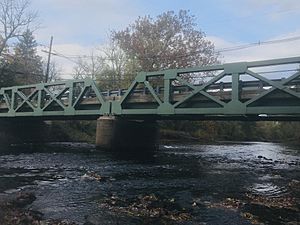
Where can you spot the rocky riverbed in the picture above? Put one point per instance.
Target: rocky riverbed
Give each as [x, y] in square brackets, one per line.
[72, 183]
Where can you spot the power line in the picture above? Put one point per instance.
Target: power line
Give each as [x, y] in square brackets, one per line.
[239, 47]
[227, 49]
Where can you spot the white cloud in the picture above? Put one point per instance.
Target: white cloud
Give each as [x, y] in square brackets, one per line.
[260, 52]
[78, 26]
[82, 21]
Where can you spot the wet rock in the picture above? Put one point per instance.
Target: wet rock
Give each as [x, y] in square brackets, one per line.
[292, 223]
[292, 163]
[228, 203]
[148, 206]
[59, 222]
[294, 184]
[266, 214]
[285, 202]
[265, 158]
[13, 212]
[253, 219]
[94, 176]
[24, 199]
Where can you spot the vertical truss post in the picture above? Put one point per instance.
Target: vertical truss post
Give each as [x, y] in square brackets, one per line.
[38, 110]
[235, 107]
[70, 109]
[13, 102]
[71, 88]
[235, 87]
[167, 107]
[167, 90]
[39, 99]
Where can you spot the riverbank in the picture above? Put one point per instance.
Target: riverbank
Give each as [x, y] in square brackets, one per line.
[207, 132]
[14, 210]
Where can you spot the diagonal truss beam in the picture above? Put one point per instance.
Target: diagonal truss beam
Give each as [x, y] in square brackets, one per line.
[275, 86]
[200, 89]
[25, 99]
[55, 98]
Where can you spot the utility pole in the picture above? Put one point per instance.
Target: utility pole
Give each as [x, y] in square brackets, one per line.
[48, 63]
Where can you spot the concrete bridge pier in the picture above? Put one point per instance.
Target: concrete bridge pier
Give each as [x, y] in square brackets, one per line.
[119, 134]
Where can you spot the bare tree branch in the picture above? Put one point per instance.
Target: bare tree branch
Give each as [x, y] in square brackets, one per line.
[15, 18]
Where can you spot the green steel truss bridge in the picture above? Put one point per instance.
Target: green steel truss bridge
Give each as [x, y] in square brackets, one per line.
[261, 90]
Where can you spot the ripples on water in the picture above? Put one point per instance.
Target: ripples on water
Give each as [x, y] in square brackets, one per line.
[71, 181]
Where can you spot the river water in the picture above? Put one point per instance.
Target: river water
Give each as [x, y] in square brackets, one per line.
[228, 183]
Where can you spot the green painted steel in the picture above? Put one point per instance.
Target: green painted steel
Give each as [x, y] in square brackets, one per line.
[217, 91]
[280, 97]
[65, 98]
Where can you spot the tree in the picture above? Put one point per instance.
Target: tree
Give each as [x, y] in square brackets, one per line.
[114, 63]
[169, 41]
[88, 67]
[15, 18]
[6, 76]
[54, 71]
[27, 65]
[107, 67]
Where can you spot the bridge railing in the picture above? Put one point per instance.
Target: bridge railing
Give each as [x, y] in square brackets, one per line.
[221, 86]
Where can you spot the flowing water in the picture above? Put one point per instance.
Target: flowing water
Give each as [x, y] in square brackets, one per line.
[229, 183]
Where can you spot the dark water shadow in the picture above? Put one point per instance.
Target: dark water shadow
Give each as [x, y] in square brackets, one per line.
[135, 155]
[53, 147]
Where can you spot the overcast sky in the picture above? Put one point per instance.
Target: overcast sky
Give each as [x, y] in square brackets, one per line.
[80, 25]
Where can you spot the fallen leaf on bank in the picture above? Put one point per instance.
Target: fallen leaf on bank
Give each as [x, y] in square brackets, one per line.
[147, 206]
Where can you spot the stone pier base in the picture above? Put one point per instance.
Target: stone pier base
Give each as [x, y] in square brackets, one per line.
[118, 134]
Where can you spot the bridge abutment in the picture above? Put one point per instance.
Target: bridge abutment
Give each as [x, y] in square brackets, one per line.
[118, 134]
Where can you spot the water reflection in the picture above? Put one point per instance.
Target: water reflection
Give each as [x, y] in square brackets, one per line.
[268, 189]
[210, 183]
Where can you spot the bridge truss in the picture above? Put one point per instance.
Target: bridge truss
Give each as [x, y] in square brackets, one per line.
[258, 90]
[65, 98]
